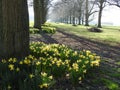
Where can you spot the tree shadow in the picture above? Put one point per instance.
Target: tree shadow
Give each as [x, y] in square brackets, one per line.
[102, 49]
[43, 37]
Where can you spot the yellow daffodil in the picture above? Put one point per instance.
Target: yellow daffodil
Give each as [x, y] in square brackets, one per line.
[21, 62]
[17, 69]
[14, 60]
[67, 75]
[38, 63]
[80, 78]
[4, 61]
[50, 77]
[43, 74]
[75, 66]
[9, 87]
[45, 85]
[84, 71]
[41, 86]
[11, 67]
[31, 75]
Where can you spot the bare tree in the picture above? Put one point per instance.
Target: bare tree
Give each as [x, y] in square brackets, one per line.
[74, 11]
[114, 2]
[89, 10]
[80, 10]
[101, 5]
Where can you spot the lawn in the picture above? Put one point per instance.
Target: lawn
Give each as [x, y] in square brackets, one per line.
[110, 34]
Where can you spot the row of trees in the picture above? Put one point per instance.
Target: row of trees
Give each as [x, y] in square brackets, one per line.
[41, 8]
[80, 11]
[14, 20]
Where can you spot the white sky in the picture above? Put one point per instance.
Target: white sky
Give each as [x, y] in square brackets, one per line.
[110, 15]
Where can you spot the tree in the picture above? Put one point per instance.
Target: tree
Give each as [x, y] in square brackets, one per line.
[37, 13]
[114, 2]
[45, 5]
[14, 28]
[89, 10]
[86, 13]
[80, 10]
[101, 4]
[41, 8]
[74, 11]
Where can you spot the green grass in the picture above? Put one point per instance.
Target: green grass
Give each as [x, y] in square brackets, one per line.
[118, 63]
[110, 84]
[110, 34]
[31, 23]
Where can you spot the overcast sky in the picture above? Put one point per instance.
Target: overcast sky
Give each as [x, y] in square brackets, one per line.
[110, 15]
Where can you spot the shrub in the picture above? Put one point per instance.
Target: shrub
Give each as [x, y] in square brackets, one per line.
[48, 28]
[47, 25]
[94, 29]
[44, 65]
[34, 31]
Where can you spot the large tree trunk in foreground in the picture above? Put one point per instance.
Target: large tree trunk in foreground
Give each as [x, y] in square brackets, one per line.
[14, 28]
[37, 14]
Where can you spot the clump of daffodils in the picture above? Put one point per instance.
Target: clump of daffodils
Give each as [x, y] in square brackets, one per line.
[45, 63]
[48, 28]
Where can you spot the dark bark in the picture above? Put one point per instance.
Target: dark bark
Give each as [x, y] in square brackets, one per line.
[70, 19]
[82, 19]
[101, 6]
[14, 28]
[67, 18]
[44, 10]
[37, 14]
[73, 20]
[79, 23]
[86, 15]
[99, 19]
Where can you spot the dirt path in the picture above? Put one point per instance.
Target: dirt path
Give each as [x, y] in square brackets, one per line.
[110, 66]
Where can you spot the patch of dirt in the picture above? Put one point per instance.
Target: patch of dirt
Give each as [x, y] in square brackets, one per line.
[110, 56]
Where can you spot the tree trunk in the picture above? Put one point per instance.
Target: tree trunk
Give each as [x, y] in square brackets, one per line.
[14, 28]
[67, 19]
[70, 18]
[73, 20]
[79, 23]
[100, 14]
[37, 14]
[99, 19]
[82, 19]
[86, 15]
[44, 10]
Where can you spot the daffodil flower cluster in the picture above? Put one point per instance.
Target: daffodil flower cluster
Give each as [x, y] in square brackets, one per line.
[33, 31]
[45, 63]
[47, 28]
[62, 59]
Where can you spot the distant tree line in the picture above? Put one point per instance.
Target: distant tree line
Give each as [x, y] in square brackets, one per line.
[80, 11]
